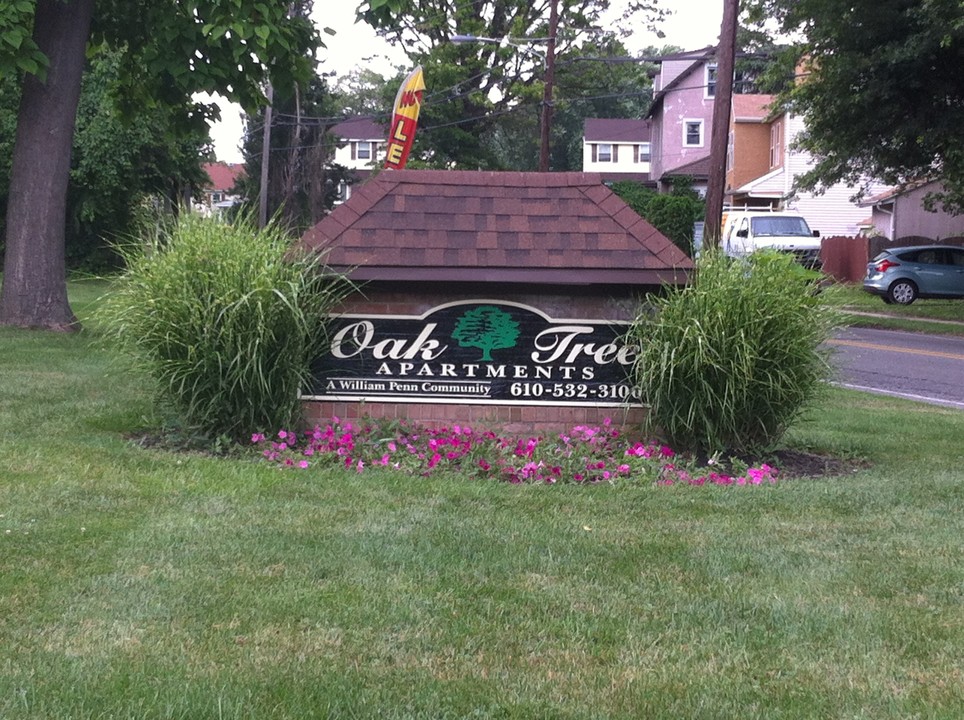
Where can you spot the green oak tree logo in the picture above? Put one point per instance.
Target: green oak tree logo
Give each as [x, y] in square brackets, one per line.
[488, 328]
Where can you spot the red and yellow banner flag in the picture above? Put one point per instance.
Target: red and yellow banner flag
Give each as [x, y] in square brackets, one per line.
[408, 101]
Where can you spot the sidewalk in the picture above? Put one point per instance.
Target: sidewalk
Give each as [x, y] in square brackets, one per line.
[906, 318]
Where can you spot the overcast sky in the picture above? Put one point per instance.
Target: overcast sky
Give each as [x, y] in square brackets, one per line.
[693, 24]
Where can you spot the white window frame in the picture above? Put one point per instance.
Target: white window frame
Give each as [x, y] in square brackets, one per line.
[366, 147]
[645, 153]
[686, 125]
[710, 79]
[776, 144]
[604, 157]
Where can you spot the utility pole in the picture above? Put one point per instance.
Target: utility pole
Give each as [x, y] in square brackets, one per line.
[716, 184]
[546, 123]
[265, 159]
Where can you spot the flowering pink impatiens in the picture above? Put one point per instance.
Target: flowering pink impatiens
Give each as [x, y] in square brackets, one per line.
[584, 455]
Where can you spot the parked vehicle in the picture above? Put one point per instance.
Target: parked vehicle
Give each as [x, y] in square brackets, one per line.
[747, 230]
[903, 274]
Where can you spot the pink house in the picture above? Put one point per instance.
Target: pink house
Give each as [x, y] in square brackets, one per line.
[682, 116]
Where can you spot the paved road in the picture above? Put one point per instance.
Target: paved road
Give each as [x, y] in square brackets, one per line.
[928, 368]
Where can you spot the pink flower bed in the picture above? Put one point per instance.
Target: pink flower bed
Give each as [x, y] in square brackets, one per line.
[584, 455]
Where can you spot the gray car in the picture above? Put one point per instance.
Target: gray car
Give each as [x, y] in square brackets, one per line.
[903, 274]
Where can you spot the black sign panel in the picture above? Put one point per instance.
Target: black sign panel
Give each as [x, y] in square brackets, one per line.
[475, 352]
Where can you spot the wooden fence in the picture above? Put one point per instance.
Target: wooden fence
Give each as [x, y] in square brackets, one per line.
[845, 258]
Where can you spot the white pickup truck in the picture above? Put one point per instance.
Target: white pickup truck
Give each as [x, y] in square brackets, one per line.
[747, 230]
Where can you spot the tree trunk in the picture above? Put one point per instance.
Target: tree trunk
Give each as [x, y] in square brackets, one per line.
[34, 292]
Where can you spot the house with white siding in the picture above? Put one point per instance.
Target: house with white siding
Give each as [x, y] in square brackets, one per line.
[360, 147]
[832, 212]
[617, 149]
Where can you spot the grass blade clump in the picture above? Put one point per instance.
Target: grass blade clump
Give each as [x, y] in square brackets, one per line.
[727, 363]
[224, 319]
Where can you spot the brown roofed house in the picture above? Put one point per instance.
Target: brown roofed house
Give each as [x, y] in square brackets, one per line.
[219, 192]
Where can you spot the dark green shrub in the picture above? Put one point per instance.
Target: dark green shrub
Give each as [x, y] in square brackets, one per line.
[225, 322]
[730, 361]
[673, 214]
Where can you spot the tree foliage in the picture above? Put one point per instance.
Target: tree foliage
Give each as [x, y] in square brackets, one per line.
[9, 100]
[168, 51]
[227, 47]
[19, 52]
[364, 92]
[116, 163]
[485, 96]
[880, 88]
[594, 79]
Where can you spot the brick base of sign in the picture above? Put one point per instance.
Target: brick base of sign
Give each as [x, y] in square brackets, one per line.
[511, 418]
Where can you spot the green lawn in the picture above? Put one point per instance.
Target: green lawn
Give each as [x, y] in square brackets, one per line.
[138, 583]
[939, 314]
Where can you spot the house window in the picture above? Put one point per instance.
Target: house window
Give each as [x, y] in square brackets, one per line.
[692, 133]
[364, 151]
[344, 192]
[710, 87]
[643, 153]
[776, 144]
[604, 152]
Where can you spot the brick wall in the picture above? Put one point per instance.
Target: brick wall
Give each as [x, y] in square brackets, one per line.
[511, 418]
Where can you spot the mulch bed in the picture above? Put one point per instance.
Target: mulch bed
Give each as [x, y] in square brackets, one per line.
[800, 464]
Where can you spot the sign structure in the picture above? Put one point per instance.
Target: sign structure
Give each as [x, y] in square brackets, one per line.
[478, 351]
[408, 102]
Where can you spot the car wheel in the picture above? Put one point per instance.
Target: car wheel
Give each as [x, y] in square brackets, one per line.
[902, 292]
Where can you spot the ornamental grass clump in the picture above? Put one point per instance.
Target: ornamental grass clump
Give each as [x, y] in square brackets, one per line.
[224, 319]
[727, 363]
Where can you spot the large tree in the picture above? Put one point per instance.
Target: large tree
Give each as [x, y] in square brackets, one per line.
[881, 89]
[117, 164]
[170, 49]
[472, 86]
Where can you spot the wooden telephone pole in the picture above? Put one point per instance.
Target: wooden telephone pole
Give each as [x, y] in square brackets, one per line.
[716, 185]
[546, 123]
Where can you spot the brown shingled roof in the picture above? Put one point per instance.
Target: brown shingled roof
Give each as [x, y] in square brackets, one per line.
[699, 168]
[616, 130]
[361, 128]
[533, 228]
